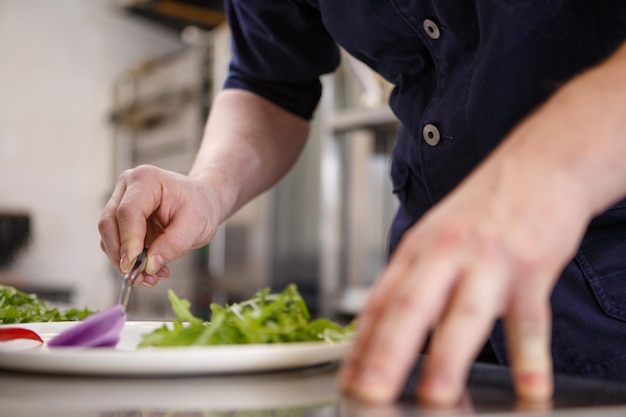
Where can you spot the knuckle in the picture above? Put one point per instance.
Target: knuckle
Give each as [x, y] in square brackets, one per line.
[138, 172]
[529, 263]
[447, 239]
[450, 237]
[375, 305]
[491, 243]
[103, 224]
[528, 259]
[178, 245]
[124, 175]
[124, 210]
[407, 301]
[417, 306]
[472, 310]
[527, 316]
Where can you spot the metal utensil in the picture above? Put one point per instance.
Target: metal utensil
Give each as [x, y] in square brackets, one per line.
[131, 276]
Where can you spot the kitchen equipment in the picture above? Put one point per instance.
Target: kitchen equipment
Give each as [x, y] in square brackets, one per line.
[131, 276]
[15, 233]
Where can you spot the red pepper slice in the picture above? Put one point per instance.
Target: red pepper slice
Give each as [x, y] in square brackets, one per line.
[12, 333]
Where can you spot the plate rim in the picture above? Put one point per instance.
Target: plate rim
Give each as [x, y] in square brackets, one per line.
[179, 361]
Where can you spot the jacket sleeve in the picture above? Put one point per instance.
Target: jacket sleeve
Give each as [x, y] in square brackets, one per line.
[280, 49]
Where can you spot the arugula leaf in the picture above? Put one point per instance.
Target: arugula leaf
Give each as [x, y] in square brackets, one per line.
[181, 308]
[264, 318]
[19, 307]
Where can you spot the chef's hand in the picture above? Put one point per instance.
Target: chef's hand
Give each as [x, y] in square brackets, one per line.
[169, 212]
[492, 249]
[249, 143]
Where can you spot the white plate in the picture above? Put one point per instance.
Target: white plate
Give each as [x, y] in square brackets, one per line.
[126, 359]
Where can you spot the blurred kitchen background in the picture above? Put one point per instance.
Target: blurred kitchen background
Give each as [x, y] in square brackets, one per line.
[91, 88]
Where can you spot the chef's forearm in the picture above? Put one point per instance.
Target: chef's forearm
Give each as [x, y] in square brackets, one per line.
[580, 134]
[249, 144]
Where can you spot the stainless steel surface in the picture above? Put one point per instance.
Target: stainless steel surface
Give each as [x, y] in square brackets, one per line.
[128, 281]
[307, 393]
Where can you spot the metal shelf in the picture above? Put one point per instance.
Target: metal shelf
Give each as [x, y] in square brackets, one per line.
[358, 133]
[353, 119]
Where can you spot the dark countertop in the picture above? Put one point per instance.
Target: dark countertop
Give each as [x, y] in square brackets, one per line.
[302, 393]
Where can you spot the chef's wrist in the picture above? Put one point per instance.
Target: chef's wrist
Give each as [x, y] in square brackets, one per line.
[218, 190]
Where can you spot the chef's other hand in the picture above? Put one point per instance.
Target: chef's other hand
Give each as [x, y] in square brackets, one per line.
[492, 249]
[166, 211]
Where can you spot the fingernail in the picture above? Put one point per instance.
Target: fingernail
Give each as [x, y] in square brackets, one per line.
[149, 281]
[123, 262]
[372, 387]
[155, 262]
[534, 386]
[163, 273]
[439, 390]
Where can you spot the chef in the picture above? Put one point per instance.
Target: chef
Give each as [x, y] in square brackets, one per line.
[510, 239]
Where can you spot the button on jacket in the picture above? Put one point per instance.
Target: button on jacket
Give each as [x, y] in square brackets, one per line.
[464, 73]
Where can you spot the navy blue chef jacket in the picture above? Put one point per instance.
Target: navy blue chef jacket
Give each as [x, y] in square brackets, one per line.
[465, 72]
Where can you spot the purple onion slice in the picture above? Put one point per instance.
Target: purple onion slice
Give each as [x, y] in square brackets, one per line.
[99, 330]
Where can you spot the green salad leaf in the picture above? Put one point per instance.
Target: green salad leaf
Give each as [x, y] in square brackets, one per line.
[264, 318]
[19, 307]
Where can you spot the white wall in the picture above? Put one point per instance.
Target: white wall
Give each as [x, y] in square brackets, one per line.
[58, 61]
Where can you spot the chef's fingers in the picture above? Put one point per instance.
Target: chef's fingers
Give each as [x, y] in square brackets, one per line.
[142, 197]
[152, 280]
[404, 323]
[461, 332]
[107, 225]
[154, 230]
[527, 325]
[399, 267]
